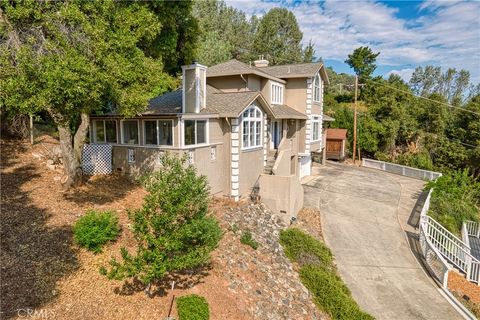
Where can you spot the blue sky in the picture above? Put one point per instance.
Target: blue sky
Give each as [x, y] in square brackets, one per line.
[407, 33]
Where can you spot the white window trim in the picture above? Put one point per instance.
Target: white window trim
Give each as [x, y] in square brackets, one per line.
[255, 119]
[272, 96]
[319, 84]
[158, 133]
[319, 131]
[121, 132]
[207, 134]
[94, 129]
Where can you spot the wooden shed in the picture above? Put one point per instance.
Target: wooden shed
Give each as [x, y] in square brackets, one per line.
[336, 143]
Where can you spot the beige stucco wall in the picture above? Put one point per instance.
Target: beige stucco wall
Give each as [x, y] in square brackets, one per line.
[296, 94]
[254, 83]
[251, 166]
[301, 136]
[228, 84]
[315, 146]
[189, 90]
[266, 89]
[282, 194]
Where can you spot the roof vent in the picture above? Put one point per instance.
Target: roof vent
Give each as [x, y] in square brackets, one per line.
[261, 62]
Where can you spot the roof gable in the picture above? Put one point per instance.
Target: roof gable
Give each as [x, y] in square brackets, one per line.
[235, 67]
[299, 70]
[277, 73]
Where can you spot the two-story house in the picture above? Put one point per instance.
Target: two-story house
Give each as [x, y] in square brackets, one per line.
[251, 129]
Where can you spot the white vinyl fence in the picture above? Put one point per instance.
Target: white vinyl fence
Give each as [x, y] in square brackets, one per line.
[399, 169]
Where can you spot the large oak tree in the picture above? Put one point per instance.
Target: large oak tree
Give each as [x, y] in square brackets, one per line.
[73, 58]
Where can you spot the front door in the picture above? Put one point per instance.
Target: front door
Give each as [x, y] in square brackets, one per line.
[276, 132]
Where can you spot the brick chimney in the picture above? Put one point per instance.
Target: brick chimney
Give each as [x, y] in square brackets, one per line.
[194, 83]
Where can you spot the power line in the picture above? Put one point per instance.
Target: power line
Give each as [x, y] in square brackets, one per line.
[464, 143]
[425, 98]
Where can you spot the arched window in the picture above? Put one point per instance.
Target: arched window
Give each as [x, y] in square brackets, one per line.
[252, 127]
[316, 89]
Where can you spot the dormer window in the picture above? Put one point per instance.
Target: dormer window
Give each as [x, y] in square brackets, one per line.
[317, 84]
[277, 93]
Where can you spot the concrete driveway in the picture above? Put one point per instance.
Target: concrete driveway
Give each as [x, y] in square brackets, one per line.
[365, 216]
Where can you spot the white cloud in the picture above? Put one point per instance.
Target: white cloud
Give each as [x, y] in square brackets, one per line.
[405, 74]
[444, 33]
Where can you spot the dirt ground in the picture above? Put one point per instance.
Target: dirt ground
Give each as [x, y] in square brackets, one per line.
[45, 274]
[467, 292]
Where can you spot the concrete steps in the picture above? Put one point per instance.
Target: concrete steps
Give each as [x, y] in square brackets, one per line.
[267, 169]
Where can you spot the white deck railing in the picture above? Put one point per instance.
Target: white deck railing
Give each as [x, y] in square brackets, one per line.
[435, 262]
[400, 169]
[472, 228]
[465, 235]
[449, 246]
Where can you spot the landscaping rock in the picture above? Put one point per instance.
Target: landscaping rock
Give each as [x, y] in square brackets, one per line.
[264, 274]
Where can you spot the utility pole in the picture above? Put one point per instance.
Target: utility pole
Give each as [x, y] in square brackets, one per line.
[355, 121]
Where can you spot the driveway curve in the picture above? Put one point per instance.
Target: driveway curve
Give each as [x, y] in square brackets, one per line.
[365, 214]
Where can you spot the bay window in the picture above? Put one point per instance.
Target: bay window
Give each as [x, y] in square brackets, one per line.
[195, 132]
[104, 131]
[252, 128]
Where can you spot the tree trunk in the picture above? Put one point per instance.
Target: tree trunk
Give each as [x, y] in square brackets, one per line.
[72, 149]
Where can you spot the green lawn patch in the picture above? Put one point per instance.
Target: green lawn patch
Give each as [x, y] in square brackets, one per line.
[319, 275]
[192, 307]
[95, 229]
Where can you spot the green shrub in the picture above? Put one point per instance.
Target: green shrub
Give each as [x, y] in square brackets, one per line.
[455, 198]
[331, 294]
[419, 160]
[172, 229]
[192, 307]
[304, 249]
[318, 274]
[248, 240]
[95, 229]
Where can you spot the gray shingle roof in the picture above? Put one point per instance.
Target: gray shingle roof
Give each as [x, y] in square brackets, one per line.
[286, 112]
[235, 67]
[277, 73]
[294, 70]
[168, 103]
[228, 104]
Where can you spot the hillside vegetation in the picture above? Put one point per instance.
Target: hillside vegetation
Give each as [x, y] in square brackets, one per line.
[440, 131]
